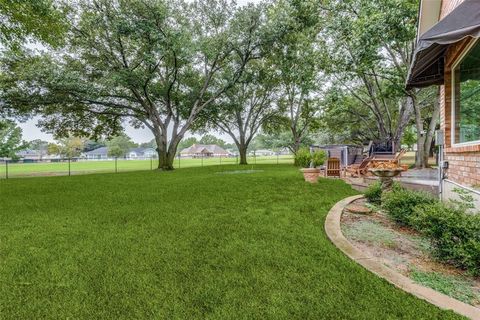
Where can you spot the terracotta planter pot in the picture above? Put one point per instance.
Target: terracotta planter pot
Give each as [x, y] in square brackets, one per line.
[311, 174]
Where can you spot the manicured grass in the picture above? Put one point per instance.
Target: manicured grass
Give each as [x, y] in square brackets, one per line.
[92, 166]
[188, 244]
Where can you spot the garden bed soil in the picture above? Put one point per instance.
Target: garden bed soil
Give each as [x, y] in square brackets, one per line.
[406, 252]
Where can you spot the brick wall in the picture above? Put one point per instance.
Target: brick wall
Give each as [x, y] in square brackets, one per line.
[464, 162]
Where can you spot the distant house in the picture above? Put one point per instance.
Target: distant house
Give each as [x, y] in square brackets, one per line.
[141, 153]
[204, 150]
[30, 154]
[263, 152]
[97, 154]
[134, 153]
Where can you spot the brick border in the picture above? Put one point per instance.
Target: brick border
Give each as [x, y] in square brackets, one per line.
[334, 233]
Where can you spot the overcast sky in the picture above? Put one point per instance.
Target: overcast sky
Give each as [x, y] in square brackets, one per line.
[31, 131]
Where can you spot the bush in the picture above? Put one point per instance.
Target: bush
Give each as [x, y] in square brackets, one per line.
[374, 193]
[455, 234]
[400, 203]
[319, 157]
[303, 158]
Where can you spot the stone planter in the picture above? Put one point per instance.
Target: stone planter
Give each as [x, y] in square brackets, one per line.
[311, 174]
[386, 176]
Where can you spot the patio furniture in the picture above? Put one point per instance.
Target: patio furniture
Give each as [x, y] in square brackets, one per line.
[389, 158]
[333, 168]
[360, 169]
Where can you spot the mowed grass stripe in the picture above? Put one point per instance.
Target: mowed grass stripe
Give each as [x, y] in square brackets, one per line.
[188, 244]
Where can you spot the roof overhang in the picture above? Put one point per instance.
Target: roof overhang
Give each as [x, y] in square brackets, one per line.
[428, 59]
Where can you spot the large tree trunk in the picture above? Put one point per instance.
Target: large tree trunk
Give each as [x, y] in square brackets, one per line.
[242, 150]
[165, 156]
[164, 162]
[406, 111]
[425, 137]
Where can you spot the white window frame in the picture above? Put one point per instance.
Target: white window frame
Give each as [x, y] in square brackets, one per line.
[452, 104]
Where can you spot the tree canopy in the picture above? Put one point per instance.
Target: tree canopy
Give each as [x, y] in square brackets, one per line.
[40, 20]
[10, 139]
[295, 72]
[155, 64]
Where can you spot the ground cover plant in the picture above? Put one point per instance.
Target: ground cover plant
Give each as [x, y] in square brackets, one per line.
[453, 230]
[452, 285]
[186, 244]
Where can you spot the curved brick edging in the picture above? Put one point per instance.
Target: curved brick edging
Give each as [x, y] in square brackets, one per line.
[334, 233]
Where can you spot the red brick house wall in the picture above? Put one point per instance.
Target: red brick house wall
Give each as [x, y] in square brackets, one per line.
[464, 162]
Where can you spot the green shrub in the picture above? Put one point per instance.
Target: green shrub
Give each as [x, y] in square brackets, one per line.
[374, 193]
[455, 234]
[319, 157]
[400, 203]
[303, 157]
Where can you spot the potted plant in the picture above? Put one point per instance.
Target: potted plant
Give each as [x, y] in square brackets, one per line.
[310, 162]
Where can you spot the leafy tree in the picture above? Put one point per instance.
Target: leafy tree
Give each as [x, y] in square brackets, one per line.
[211, 139]
[39, 145]
[53, 149]
[150, 144]
[40, 19]
[369, 61]
[409, 137]
[279, 140]
[155, 63]
[93, 144]
[119, 145]
[295, 59]
[188, 142]
[245, 108]
[10, 139]
[71, 147]
[344, 120]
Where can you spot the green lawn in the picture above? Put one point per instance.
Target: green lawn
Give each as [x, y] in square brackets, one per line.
[188, 244]
[83, 167]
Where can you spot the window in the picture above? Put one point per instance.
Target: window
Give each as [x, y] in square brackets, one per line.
[466, 97]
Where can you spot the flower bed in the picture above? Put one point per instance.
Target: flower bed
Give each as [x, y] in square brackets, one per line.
[408, 252]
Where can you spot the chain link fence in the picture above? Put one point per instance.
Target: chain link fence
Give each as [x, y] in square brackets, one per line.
[76, 166]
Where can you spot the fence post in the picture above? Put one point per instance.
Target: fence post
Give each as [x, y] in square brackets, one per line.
[116, 165]
[277, 157]
[151, 163]
[202, 159]
[179, 161]
[6, 168]
[236, 159]
[254, 157]
[220, 159]
[69, 169]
